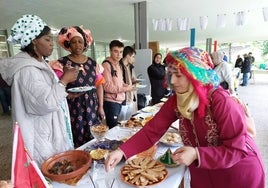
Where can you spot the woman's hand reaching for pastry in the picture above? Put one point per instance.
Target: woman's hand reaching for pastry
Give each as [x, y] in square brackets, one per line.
[184, 155]
[113, 159]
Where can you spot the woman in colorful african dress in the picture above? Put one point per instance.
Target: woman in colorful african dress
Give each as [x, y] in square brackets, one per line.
[86, 108]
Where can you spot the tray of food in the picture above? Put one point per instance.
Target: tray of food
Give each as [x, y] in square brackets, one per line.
[67, 167]
[99, 150]
[143, 172]
[134, 122]
[106, 144]
[98, 154]
[171, 138]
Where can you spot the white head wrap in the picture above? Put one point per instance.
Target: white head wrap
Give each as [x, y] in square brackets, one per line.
[27, 28]
[217, 57]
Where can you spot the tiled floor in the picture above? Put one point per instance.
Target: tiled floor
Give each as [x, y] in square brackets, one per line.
[255, 94]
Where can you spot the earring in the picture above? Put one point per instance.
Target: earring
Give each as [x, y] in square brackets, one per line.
[34, 48]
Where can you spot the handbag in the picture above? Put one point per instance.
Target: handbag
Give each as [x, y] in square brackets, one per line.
[141, 100]
[251, 128]
[250, 123]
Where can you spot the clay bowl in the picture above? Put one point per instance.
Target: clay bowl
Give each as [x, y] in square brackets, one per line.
[79, 161]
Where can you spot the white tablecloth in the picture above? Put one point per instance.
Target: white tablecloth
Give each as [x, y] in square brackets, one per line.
[102, 178]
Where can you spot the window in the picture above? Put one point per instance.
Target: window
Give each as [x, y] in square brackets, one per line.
[101, 51]
[3, 47]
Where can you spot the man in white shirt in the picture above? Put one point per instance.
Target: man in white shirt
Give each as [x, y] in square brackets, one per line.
[129, 106]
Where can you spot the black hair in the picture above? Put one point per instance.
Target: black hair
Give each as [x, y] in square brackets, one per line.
[156, 55]
[128, 50]
[30, 48]
[116, 43]
[63, 31]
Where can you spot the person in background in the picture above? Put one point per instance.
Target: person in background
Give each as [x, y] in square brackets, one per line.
[237, 71]
[245, 70]
[114, 86]
[216, 146]
[135, 82]
[156, 72]
[167, 85]
[129, 106]
[5, 96]
[85, 107]
[252, 60]
[38, 96]
[224, 71]
[238, 64]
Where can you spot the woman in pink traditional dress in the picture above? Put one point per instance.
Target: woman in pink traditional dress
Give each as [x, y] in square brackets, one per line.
[217, 148]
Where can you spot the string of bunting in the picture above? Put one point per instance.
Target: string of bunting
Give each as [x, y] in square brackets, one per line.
[183, 23]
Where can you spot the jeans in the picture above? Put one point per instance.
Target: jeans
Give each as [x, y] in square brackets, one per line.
[5, 98]
[245, 79]
[112, 111]
[250, 74]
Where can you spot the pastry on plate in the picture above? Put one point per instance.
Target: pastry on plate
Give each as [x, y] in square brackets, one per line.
[99, 153]
[143, 171]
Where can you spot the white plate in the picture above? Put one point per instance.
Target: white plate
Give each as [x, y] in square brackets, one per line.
[80, 89]
[170, 133]
[140, 86]
[140, 79]
[164, 99]
[149, 109]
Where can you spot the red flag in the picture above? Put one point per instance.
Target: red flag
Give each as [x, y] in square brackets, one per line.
[25, 172]
[36, 176]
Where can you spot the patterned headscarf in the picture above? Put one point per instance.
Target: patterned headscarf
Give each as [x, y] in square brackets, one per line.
[26, 29]
[197, 66]
[67, 33]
